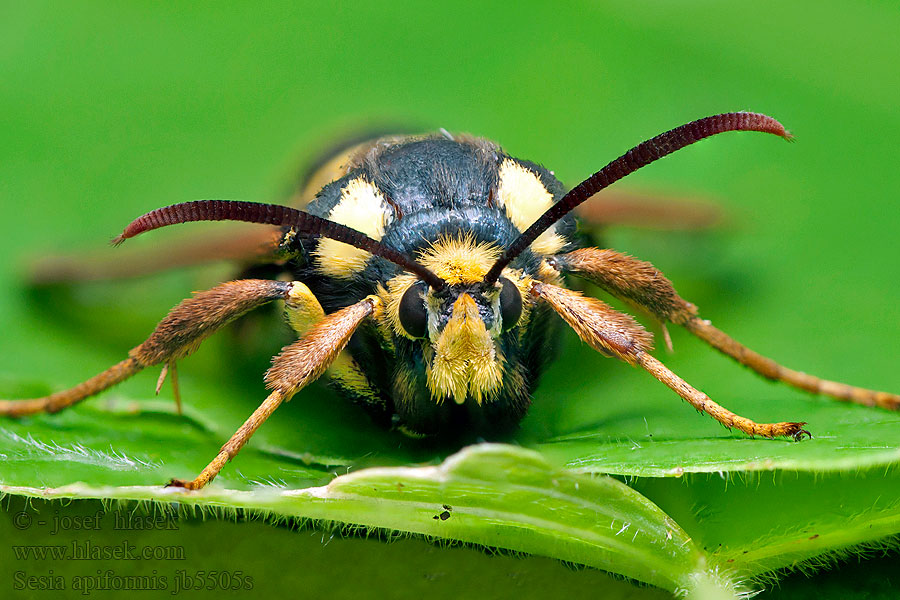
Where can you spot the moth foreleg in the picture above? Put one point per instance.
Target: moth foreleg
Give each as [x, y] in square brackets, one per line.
[297, 365]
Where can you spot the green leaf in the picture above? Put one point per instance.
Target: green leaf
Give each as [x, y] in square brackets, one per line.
[491, 495]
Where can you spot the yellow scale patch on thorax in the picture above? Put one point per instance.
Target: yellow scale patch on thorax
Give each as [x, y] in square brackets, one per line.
[525, 199]
[362, 207]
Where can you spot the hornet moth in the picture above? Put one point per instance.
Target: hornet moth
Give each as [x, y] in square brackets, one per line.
[425, 279]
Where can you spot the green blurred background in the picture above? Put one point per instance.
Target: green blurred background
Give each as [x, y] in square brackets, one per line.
[109, 110]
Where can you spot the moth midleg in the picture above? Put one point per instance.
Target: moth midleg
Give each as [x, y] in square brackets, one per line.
[616, 334]
[640, 283]
[175, 337]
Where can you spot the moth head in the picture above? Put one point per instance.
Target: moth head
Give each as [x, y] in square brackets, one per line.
[459, 326]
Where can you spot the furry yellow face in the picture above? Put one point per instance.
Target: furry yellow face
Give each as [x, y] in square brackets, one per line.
[459, 329]
[465, 359]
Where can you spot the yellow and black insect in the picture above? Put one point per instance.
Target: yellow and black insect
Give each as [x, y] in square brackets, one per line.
[426, 278]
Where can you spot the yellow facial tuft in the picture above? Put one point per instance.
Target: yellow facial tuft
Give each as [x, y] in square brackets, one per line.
[525, 199]
[466, 361]
[460, 260]
[362, 207]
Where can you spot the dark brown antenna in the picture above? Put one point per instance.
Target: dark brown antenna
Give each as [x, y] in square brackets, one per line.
[640, 156]
[272, 214]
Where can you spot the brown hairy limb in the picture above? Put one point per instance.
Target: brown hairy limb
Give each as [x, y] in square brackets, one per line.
[66, 398]
[176, 336]
[772, 370]
[297, 365]
[641, 284]
[306, 359]
[195, 319]
[234, 445]
[630, 279]
[240, 245]
[617, 334]
[606, 330]
[703, 403]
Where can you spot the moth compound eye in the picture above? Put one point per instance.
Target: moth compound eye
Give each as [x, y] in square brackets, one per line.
[510, 303]
[412, 313]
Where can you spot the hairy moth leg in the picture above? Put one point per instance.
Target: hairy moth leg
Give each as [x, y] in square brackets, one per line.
[297, 365]
[303, 311]
[616, 334]
[641, 284]
[176, 336]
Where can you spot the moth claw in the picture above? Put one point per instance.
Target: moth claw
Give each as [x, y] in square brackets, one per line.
[798, 435]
